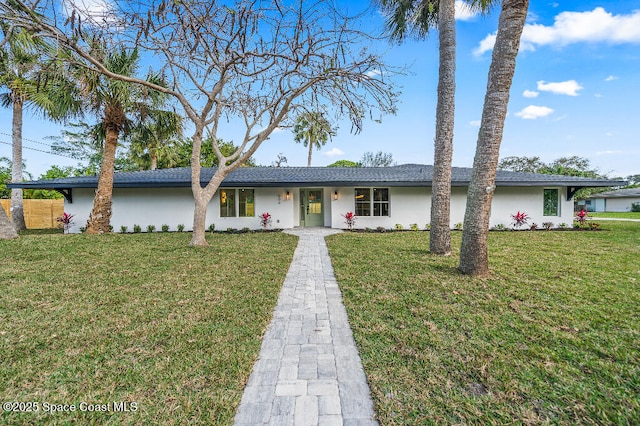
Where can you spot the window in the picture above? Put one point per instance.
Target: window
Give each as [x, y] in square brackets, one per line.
[246, 203]
[551, 205]
[372, 201]
[227, 203]
[246, 206]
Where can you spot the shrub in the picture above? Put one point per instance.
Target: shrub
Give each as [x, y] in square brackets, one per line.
[151, 228]
[367, 229]
[82, 229]
[399, 227]
[65, 221]
[547, 225]
[427, 227]
[265, 220]
[563, 225]
[246, 229]
[180, 228]
[533, 226]
[137, 229]
[519, 219]
[413, 226]
[581, 217]
[230, 230]
[381, 229]
[124, 229]
[594, 226]
[500, 227]
[165, 228]
[349, 219]
[458, 226]
[212, 227]
[635, 207]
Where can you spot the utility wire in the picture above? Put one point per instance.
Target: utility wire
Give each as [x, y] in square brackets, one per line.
[39, 150]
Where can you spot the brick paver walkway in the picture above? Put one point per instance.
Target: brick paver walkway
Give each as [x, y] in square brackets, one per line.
[308, 371]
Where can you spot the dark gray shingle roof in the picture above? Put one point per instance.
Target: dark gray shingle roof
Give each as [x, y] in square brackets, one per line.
[403, 175]
[620, 193]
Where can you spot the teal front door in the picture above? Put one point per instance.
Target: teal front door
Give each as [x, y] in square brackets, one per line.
[311, 207]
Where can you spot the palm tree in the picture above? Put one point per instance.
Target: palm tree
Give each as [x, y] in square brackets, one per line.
[30, 82]
[474, 258]
[113, 100]
[313, 129]
[7, 231]
[420, 16]
[156, 137]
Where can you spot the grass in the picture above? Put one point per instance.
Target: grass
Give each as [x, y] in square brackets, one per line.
[552, 336]
[617, 215]
[135, 318]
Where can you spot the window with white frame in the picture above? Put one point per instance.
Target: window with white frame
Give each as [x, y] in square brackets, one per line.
[372, 201]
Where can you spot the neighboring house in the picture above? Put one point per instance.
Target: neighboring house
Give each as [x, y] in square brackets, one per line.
[315, 196]
[613, 201]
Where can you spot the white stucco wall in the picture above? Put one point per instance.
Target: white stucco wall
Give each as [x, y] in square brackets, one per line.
[173, 206]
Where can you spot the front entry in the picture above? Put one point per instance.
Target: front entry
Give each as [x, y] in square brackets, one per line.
[311, 211]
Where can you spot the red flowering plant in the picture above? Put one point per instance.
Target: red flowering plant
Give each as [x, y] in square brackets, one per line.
[66, 221]
[350, 219]
[519, 219]
[581, 217]
[265, 220]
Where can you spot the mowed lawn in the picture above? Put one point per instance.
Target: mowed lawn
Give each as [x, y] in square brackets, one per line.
[552, 336]
[138, 318]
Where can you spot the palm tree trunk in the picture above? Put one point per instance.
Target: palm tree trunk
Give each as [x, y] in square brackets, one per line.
[100, 217]
[17, 204]
[473, 253]
[440, 233]
[310, 151]
[7, 231]
[154, 159]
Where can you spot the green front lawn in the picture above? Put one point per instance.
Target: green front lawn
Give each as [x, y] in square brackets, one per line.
[618, 215]
[140, 318]
[552, 336]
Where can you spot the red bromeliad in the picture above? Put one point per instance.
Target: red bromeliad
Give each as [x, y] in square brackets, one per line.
[350, 219]
[265, 220]
[65, 220]
[520, 219]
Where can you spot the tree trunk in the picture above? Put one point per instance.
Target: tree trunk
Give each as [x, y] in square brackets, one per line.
[100, 217]
[440, 232]
[17, 204]
[154, 159]
[7, 231]
[310, 151]
[474, 258]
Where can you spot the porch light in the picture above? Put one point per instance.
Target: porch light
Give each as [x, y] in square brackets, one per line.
[287, 196]
[335, 195]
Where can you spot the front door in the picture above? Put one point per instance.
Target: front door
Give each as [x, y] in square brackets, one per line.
[311, 212]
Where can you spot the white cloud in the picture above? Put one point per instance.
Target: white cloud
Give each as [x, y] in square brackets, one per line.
[569, 87]
[95, 11]
[373, 73]
[475, 123]
[464, 12]
[611, 78]
[596, 26]
[533, 111]
[609, 152]
[530, 94]
[334, 152]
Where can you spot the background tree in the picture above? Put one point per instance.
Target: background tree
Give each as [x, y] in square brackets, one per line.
[260, 64]
[280, 160]
[345, 163]
[54, 172]
[208, 157]
[5, 176]
[522, 164]
[419, 17]
[379, 159]
[29, 82]
[154, 139]
[474, 258]
[312, 129]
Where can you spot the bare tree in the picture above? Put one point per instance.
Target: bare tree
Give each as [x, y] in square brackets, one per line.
[474, 257]
[254, 62]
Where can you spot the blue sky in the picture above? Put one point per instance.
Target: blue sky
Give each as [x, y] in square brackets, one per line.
[575, 92]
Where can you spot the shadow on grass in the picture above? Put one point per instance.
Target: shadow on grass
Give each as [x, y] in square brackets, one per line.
[48, 231]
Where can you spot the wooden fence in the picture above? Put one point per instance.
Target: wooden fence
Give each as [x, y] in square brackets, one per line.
[38, 214]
